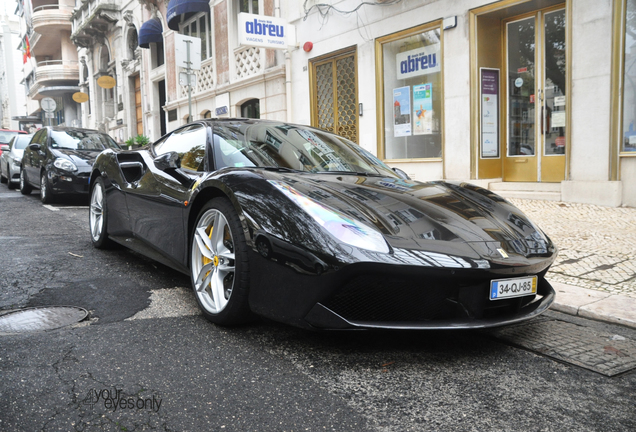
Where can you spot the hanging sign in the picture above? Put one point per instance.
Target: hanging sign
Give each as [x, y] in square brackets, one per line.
[80, 97]
[489, 124]
[106, 82]
[262, 31]
[420, 61]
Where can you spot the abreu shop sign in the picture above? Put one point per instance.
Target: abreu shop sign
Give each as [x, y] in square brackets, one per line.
[420, 61]
[262, 31]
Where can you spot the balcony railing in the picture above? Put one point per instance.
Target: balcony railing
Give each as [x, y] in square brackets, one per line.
[53, 16]
[56, 70]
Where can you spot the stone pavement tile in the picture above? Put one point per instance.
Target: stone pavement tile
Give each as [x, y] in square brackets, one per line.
[615, 309]
[569, 299]
[584, 266]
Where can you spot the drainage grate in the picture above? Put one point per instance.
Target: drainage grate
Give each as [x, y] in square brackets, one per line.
[582, 346]
[41, 318]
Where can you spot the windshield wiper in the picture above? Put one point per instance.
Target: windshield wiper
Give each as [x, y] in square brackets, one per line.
[359, 173]
[283, 169]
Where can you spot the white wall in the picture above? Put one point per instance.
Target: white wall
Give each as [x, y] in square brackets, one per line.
[591, 50]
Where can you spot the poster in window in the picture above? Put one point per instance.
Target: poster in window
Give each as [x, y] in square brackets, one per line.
[489, 113]
[402, 111]
[423, 109]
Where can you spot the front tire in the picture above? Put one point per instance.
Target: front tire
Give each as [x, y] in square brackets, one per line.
[219, 267]
[98, 216]
[4, 179]
[25, 187]
[46, 194]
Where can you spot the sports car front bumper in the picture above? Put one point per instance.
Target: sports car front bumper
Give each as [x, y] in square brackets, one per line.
[386, 296]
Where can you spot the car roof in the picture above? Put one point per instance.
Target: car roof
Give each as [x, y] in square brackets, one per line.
[67, 128]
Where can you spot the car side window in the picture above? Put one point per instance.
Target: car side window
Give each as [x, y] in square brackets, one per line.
[38, 138]
[189, 143]
[229, 148]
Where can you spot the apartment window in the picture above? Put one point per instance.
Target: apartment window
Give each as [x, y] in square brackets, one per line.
[198, 25]
[156, 54]
[251, 109]
[412, 97]
[249, 6]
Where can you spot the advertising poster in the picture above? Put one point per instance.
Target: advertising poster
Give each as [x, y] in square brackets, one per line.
[402, 111]
[489, 113]
[423, 109]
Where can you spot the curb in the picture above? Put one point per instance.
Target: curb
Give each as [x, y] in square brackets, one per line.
[596, 305]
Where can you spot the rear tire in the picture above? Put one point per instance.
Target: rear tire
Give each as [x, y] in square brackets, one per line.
[46, 194]
[25, 187]
[219, 266]
[98, 216]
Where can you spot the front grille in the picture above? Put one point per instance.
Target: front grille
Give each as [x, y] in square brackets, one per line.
[377, 298]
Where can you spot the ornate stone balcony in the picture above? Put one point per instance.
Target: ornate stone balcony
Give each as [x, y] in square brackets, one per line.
[54, 73]
[47, 19]
[93, 18]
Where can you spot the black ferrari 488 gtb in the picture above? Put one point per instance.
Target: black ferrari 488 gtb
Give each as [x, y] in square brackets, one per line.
[305, 227]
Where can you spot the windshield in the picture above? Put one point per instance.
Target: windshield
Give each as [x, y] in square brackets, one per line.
[5, 136]
[292, 147]
[81, 140]
[20, 142]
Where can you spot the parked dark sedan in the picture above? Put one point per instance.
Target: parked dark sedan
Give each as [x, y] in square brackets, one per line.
[307, 228]
[59, 159]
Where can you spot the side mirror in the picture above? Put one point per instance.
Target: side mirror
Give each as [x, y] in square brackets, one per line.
[35, 147]
[167, 161]
[5, 147]
[401, 174]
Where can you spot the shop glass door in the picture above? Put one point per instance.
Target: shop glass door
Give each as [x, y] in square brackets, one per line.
[536, 86]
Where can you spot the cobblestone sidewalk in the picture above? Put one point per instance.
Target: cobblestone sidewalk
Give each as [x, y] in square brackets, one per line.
[597, 245]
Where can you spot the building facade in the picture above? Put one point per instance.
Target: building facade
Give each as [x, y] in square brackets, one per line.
[530, 98]
[52, 69]
[133, 43]
[12, 95]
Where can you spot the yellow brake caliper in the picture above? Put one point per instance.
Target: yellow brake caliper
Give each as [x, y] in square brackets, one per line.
[207, 260]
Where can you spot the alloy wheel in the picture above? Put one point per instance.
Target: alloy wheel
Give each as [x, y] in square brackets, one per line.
[213, 261]
[96, 214]
[43, 189]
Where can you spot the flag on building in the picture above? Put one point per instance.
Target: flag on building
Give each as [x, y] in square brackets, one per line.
[26, 49]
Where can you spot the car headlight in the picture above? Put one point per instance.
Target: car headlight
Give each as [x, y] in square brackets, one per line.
[337, 224]
[17, 163]
[64, 164]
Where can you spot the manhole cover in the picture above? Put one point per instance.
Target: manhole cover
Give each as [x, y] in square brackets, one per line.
[41, 318]
[601, 352]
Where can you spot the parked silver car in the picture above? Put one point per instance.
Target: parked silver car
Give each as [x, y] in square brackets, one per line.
[11, 160]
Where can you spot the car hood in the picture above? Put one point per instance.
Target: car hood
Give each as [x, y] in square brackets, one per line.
[81, 158]
[417, 215]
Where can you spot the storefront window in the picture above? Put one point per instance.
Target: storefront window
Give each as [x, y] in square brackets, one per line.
[629, 80]
[412, 99]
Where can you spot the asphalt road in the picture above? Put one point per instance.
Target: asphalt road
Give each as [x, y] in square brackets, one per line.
[146, 360]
